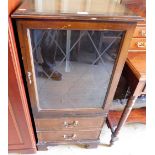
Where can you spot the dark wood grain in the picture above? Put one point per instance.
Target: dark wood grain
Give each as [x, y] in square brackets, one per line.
[59, 124]
[59, 135]
[107, 10]
[42, 146]
[50, 113]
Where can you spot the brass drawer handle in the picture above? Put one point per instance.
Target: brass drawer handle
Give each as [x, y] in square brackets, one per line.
[143, 33]
[140, 44]
[71, 125]
[70, 137]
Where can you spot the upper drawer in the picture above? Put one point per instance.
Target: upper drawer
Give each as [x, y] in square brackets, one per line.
[69, 123]
[138, 44]
[140, 32]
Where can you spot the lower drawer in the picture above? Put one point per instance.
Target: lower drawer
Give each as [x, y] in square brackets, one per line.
[68, 135]
[76, 123]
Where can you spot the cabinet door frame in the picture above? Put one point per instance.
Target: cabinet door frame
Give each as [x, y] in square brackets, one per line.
[24, 25]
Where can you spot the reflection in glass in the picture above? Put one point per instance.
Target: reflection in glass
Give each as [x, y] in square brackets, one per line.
[73, 67]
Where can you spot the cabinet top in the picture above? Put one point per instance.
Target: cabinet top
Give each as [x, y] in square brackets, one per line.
[90, 10]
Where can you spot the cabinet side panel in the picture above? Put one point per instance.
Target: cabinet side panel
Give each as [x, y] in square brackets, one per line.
[19, 118]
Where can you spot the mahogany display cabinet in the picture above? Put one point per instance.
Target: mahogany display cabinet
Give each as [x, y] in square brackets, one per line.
[73, 53]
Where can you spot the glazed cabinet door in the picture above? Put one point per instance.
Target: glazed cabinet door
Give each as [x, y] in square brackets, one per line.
[69, 66]
[72, 68]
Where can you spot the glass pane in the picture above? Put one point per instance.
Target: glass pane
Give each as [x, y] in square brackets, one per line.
[73, 67]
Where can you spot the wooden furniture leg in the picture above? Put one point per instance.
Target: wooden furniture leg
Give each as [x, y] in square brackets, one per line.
[139, 85]
[123, 119]
[135, 73]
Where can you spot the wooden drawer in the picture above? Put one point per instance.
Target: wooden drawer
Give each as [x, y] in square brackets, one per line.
[140, 32]
[69, 123]
[68, 135]
[138, 44]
